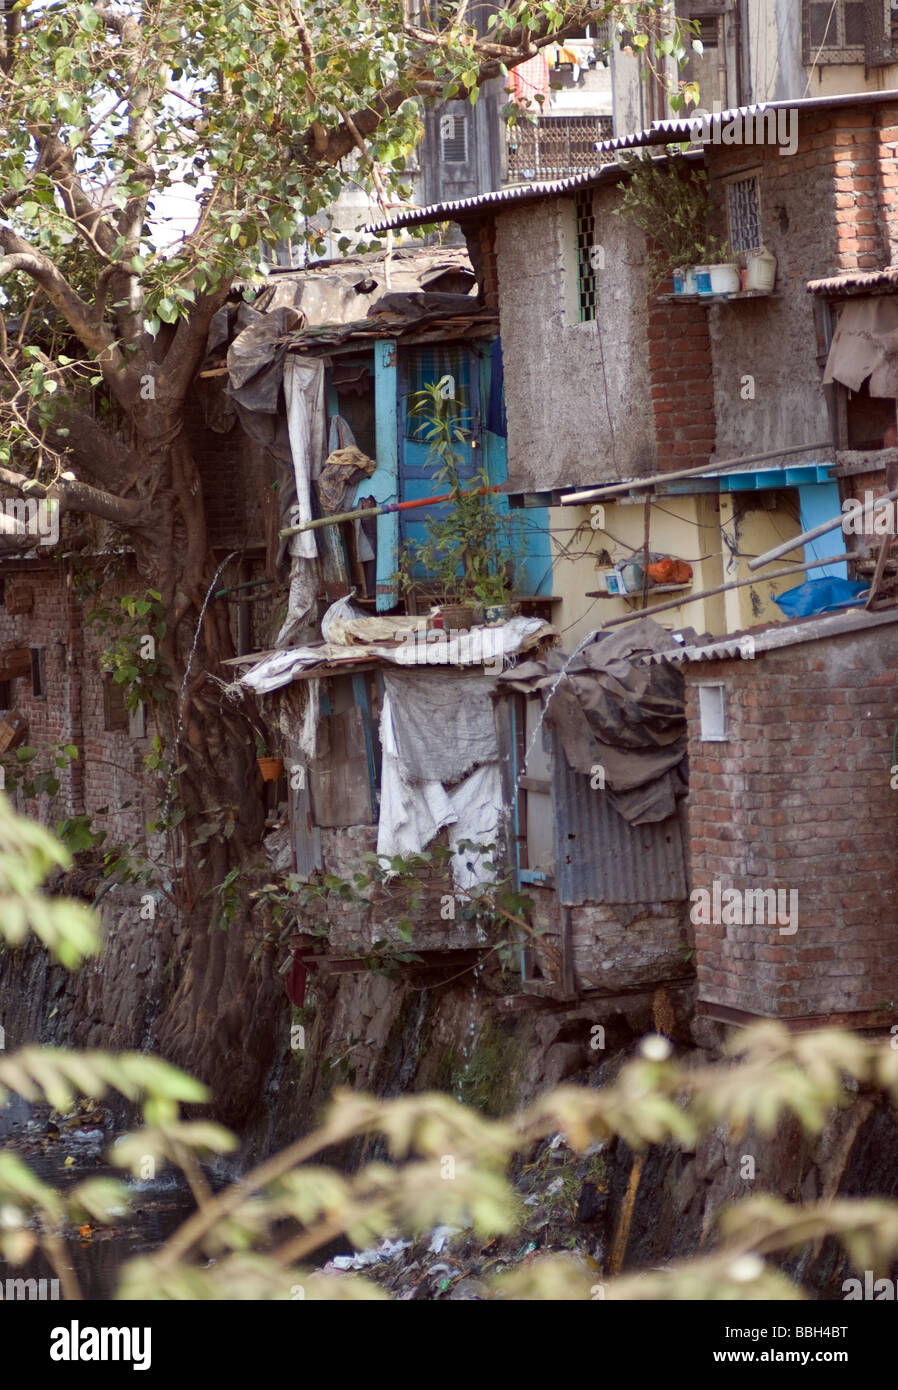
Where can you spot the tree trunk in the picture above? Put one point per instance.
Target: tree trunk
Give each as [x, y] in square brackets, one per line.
[219, 1019]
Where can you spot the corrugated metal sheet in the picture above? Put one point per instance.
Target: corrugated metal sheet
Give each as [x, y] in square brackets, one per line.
[600, 857]
[517, 193]
[683, 128]
[855, 281]
[660, 133]
[778, 635]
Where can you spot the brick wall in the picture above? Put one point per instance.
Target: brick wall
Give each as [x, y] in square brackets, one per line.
[682, 386]
[799, 798]
[71, 711]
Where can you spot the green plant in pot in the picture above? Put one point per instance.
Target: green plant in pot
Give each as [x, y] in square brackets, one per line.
[668, 201]
[724, 274]
[470, 552]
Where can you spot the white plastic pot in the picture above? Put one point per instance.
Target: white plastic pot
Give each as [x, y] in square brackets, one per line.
[725, 279]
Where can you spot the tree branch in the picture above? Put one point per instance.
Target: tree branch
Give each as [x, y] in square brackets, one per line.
[75, 496]
[19, 255]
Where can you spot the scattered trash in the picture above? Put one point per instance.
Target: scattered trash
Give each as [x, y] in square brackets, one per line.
[439, 1238]
[377, 1254]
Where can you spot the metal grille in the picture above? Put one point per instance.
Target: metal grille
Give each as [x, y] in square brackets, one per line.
[834, 31]
[453, 139]
[744, 207]
[553, 146]
[586, 236]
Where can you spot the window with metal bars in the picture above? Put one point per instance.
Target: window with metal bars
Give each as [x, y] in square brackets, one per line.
[834, 31]
[453, 138]
[744, 209]
[557, 145]
[585, 226]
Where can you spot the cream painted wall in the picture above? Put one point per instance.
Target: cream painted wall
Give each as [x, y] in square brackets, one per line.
[773, 36]
[687, 527]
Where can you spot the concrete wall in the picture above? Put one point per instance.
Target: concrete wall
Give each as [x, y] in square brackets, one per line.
[767, 381]
[773, 38]
[799, 797]
[578, 394]
[688, 527]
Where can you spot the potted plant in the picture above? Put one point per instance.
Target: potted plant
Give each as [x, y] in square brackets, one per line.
[668, 201]
[723, 268]
[493, 588]
[271, 766]
[469, 553]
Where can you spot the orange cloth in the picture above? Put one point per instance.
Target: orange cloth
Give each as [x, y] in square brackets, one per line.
[530, 80]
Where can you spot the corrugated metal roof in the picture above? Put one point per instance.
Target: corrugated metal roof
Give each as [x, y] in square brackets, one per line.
[855, 281]
[599, 856]
[749, 644]
[659, 133]
[517, 193]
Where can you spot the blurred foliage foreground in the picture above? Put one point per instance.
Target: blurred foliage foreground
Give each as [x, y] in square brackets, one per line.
[260, 1238]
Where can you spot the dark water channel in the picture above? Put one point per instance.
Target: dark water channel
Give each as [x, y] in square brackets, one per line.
[157, 1208]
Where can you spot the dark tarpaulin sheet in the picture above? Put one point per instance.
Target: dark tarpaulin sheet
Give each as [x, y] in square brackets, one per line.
[610, 712]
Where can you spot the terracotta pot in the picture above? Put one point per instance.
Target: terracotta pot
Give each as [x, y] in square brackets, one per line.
[270, 768]
[458, 616]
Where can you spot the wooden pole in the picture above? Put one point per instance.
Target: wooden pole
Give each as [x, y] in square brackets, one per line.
[823, 529]
[381, 511]
[721, 589]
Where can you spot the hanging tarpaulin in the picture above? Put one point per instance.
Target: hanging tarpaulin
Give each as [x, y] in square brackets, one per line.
[865, 346]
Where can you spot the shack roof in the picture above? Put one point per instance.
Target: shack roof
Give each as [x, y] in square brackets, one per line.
[660, 133]
[789, 634]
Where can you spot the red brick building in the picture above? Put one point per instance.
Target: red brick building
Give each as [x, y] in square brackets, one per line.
[792, 789]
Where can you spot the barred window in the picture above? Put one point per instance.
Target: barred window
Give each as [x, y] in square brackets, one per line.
[585, 223]
[744, 210]
[453, 138]
[833, 31]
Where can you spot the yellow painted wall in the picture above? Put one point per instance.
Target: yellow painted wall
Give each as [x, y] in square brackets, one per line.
[687, 527]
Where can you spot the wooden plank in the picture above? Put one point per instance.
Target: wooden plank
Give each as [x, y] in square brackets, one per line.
[12, 730]
[15, 663]
[338, 778]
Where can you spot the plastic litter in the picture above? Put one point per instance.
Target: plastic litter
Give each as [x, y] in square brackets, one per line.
[439, 1238]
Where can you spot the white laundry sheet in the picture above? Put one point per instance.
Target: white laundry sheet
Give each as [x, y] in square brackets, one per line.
[304, 397]
[412, 813]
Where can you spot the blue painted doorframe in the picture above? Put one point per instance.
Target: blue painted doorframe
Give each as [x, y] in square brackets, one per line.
[426, 366]
[402, 470]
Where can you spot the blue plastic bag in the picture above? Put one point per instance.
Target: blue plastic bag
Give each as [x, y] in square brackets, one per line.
[820, 596]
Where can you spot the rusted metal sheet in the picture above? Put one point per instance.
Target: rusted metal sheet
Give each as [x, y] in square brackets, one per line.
[599, 856]
[856, 281]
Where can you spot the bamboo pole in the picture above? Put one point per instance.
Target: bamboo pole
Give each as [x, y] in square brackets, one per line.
[381, 511]
[721, 589]
[822, 530]
[707, 470]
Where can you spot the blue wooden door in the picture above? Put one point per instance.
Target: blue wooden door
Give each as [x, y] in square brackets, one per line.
[420, 367]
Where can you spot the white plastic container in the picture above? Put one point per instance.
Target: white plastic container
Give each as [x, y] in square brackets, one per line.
[761, 271]
[725, 279]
